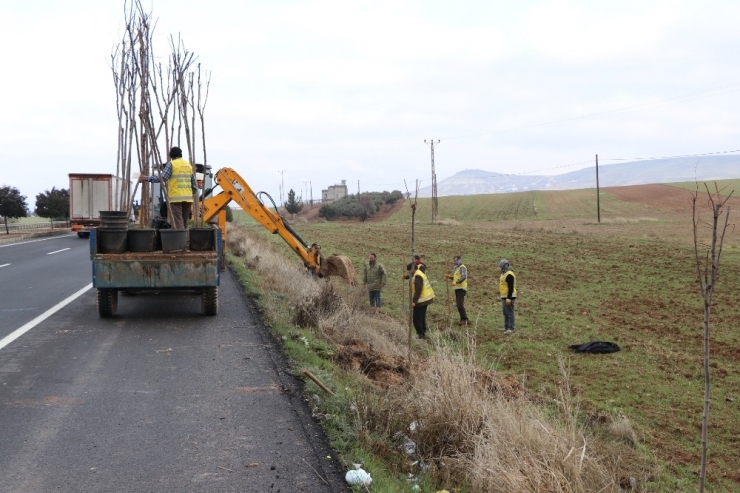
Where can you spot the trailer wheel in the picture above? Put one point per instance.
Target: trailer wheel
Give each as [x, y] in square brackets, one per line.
[83, 234]
[209, 301]
[107, 302]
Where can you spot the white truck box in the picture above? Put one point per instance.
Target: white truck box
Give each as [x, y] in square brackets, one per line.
[88, 195]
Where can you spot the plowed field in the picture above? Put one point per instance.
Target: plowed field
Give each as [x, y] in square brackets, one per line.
[631, 279]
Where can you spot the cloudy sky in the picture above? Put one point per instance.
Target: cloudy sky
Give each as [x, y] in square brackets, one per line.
[333, 90]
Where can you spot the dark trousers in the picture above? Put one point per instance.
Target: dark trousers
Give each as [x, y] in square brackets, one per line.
[509, 315]
[180, 215]
[420, 320]
[460, 302]
[375, 298]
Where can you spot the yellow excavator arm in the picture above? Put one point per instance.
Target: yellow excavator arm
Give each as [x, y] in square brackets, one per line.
[235, 188]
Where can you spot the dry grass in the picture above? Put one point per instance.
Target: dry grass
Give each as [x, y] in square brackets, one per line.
[466, 425]
[337, 311]
[491, 438]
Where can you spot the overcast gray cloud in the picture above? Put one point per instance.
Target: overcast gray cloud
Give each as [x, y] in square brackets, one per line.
[332, 90]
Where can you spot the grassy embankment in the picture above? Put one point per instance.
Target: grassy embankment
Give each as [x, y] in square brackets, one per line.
[630, 279]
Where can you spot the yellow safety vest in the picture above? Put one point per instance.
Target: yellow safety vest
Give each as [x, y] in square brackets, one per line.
[503, 287]
[456, 277]
[179, 187]
[427, 293]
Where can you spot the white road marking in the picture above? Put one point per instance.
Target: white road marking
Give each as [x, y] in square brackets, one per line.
[48, 313]
[62, 250]
[35, 241]
[4, 265]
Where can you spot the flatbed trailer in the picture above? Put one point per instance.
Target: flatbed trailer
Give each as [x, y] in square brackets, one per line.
[158, 271]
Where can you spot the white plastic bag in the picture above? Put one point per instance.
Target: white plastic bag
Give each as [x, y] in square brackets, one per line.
[358, 477]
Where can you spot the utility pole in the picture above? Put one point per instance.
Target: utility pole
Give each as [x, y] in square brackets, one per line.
[358, 189]
[311, 187]
[598, 204]
[305, 187]
[435, 207]
[282, 185]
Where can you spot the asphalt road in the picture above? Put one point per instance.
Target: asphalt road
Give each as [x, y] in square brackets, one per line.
[37, 274]
[159, 398]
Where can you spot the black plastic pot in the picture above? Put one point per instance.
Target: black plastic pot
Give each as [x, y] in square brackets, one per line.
[112, 240]
[141, 240]
[202, 239]
[173, 240]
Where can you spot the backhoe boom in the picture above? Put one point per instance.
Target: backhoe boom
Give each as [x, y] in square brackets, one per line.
[235, 188]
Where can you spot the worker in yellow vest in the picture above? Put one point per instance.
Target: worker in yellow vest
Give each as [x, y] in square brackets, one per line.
[181, 186]
[507, 288]
[423, 296]
[459, 283]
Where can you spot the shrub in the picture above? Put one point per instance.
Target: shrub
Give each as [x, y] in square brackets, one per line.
[363, 207]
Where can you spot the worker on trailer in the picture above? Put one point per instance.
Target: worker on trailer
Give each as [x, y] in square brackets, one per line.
[181, 186]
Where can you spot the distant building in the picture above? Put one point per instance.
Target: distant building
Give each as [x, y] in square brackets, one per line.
[334, 192]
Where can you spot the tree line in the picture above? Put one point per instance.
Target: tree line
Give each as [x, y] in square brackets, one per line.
[360, 206]
[53, 204]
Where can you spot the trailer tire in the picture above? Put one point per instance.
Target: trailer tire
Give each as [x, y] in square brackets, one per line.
[107, 302]
[83, 234]
[209, 301]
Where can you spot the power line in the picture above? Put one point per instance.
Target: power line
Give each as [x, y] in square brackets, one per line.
[673, 157]
[435, 206]
[282, 185]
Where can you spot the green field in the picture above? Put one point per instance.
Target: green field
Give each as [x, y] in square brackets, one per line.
[631, 280]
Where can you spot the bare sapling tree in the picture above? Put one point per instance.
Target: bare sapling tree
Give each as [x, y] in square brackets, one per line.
[413, 266]
[126, 82]
[167, 97]
[707, 257]
[144, 39]
[130, 67]
[200, 107]
[150, 100]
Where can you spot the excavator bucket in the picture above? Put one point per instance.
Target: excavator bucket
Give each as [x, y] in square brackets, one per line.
[339, 265]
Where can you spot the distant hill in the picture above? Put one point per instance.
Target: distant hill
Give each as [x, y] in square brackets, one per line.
[475, 181]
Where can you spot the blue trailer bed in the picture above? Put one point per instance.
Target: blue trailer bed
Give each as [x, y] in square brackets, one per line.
[157, 270]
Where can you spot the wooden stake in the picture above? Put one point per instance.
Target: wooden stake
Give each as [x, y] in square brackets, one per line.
[317, 382]
[447, 283]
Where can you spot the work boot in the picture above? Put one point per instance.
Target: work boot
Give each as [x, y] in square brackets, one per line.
[463, 322]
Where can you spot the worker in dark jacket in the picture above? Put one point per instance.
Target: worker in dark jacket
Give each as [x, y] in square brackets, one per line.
[507, 288]
[422, 297]
[411, 267]
[374, 278]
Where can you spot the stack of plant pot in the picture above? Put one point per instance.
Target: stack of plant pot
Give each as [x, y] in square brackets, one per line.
[113, 231]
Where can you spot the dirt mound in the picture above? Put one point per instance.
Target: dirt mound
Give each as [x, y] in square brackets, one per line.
[508, 387]
[382, 369]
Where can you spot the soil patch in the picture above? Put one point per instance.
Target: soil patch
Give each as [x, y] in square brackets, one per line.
[382, 369]
[665, 198]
